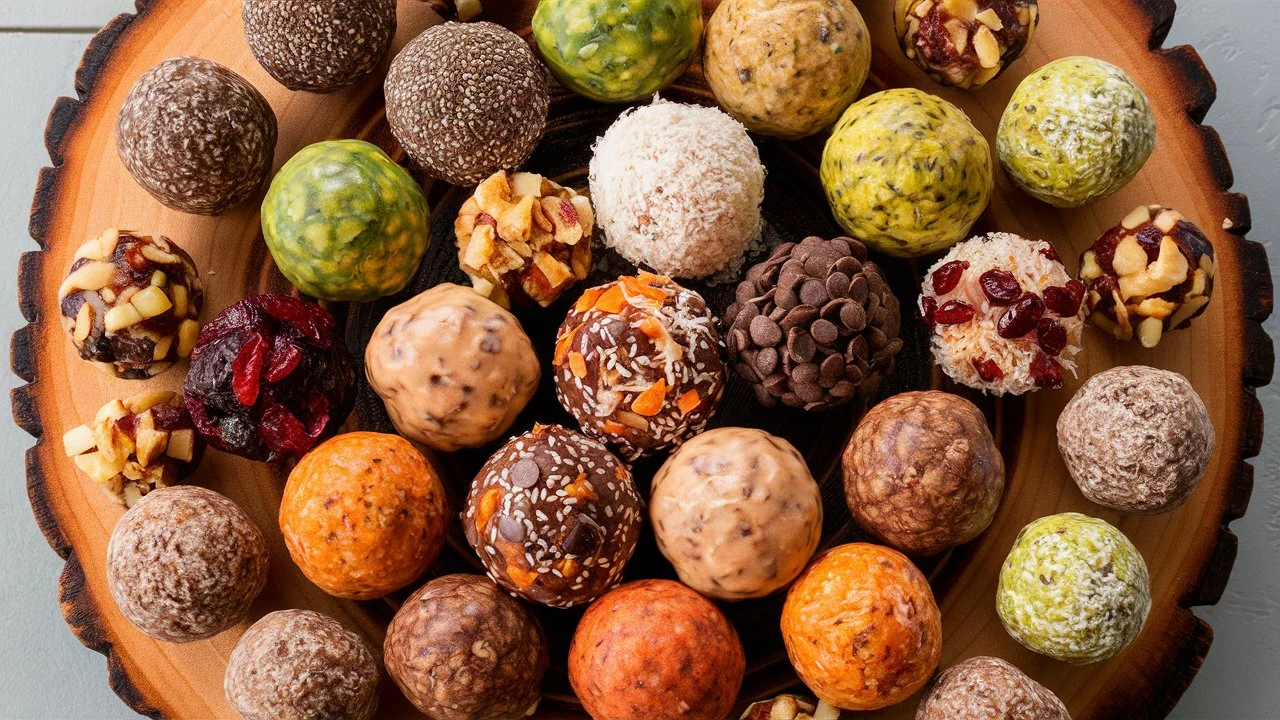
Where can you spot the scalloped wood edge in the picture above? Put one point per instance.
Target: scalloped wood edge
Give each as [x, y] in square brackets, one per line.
[83, 615]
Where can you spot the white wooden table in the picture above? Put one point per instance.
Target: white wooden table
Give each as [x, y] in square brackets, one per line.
[44, 671]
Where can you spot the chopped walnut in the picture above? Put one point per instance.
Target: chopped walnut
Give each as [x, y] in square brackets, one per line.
[790, 707]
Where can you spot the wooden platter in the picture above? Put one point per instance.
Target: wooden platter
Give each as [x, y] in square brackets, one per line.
[1225, 354]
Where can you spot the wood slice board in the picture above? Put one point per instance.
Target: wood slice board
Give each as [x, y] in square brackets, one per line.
[1226, 354]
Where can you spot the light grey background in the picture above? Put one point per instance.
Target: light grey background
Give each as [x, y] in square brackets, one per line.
[46, 673]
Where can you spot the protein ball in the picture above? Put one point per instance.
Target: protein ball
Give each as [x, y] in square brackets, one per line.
[1004, 316]
[789, 707]
[185, 563]
[922, 472]
[491, 652]
[906, 172]
[1136, 438]
[319, 45]
[1075, 131]
[639, 364]
[814, 326]
[677, 188]
[453, 368]
[795, 92]
[467, 100]
[650, 646]
[300, 665]
[988, 688]
[196, 135]
[554, 517]
[965, 43]
[363, 514]
[1073, 588]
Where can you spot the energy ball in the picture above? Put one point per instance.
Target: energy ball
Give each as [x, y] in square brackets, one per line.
[651, 646]
[467, 100]
[988, 688]
[736, 512]
[788, 94]
[1075, 131]
[185, 563]
[1004, 316]
[922, 472]
[616, 51]
[363, 514]
[196, 136]
[965, 43]
[453, 368]
[906, 172]
[319, 45]
[677, 188]
[554, 517]
[1136, 438]
[1073, 588]
[300, 665]
[788, 707]
[639, 364]
[862, 628]
[462, 649]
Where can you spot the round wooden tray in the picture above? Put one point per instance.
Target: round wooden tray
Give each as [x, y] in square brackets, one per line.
[1225, 353]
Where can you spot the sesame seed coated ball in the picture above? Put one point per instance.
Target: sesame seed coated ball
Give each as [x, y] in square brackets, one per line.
[319, 45]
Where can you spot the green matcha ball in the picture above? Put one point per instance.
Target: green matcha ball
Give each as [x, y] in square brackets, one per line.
[906, 172]
[617, 50]
[1073, 588]
[1076, 130]
[344, 222]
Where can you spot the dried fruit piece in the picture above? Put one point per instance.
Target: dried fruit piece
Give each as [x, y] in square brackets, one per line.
[1051, 337]
[1000, 287]
[946, 277]
[953, 312]
[1046, 371]
[1022, 317]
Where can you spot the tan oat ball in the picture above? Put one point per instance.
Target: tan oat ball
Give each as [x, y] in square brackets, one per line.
[988, 688]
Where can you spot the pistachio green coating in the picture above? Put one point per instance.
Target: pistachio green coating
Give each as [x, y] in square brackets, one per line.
[1076, 130]
[906, 172]
[1073, 588]
[344, 222]
[617, 50]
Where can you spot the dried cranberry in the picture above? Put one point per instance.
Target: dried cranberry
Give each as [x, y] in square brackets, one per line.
[246, 369]
[1065, 301]
[283, 359]
[1051, 337]
[947, 277]
[1000, 287]
[314, 322]
[929, 306]
[1050, 252]
[953, 312]
[988, 370]
[1046, 371]
[1021, 317]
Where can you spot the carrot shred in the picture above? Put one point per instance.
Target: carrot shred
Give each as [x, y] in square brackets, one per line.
[649, 402]
[588, 299]
[636, 287]
[651, 278]
[577, 365]
[614, 428]
[688, 402]
[562, 345]
[488, 506]
[612, 300]
[579, 488]
[652, 328]
[521, 577]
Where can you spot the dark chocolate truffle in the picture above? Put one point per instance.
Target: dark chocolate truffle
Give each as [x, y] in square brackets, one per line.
[196, 135]
[988, 688]
[319, 45]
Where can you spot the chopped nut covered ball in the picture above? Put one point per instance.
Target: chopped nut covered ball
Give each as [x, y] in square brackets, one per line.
[525, 238]
[790, 707]
[965, 43]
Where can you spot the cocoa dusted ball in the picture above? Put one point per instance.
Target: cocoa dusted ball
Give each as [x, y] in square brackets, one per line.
[196, 135]
[301, 665]
[922, 472]
[319, 45]
[489, 651]
[988, 688]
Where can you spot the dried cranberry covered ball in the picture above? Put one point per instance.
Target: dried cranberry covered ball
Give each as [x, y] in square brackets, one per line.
[269, 377]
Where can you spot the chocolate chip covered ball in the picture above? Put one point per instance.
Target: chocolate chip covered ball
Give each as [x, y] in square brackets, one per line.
[988, 688]
[319, 45]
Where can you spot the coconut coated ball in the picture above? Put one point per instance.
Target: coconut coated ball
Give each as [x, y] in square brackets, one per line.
[988, 688]
[319, 45]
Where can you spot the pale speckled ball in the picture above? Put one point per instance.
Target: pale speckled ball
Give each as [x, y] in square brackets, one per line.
[319, 45]
[988, 688]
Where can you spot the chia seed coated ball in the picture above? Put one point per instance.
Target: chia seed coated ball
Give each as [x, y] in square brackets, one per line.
[652, 646]
[196, 135]
[1136, 438]
[736, 512]
[677, 188]
[319, 45]
[467, 100]
[554, 517]
[965, 43]
[988, 688]
[185, 563]
[301, 665]
[922, 472]
[639, 364]
[1003, 314]
[1073, 588]
[462, 649]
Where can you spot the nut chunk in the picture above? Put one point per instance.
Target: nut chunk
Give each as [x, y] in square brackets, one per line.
[965, 43]
[522, 237]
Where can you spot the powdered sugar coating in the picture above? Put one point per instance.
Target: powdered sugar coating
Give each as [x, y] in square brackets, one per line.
[988, 688]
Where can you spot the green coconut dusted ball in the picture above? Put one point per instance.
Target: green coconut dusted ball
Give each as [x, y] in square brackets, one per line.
[1073, 588]
[906, 172]
[1076, 130]
[344, 222]
[617, 50]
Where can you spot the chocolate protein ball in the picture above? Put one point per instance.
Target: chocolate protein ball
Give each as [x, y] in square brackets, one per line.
[319, 45]
[1136, 438]
[554, 517]
[965, 43]
[988, 688]
[196, 135]
[301, 665]
[467, 100]
[814, 326]
[922, 472]
[462, 649]
[185, 563]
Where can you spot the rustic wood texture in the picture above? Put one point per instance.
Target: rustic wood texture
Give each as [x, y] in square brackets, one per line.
[1225, 353]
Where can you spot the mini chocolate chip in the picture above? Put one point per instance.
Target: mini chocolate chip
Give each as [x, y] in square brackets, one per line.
[824, 332]
[738, 339]
[777, 314]
[857, 349]
[831, 371]
[804, 373]
[582, 539]
[809, 392]
[790, 277]
[801, 252]
[873, 304]
[763, 396]
[525, 474]
[799, 316]
[877, 338]
[511, 529]
[819, 261]
[882, 313]
[813, 292]
[859, 288]
[842, 389]
[857, 249]
[853, 374]
[800, 345]
[745, 292]
[838, 285]
[791, 399]
[766, 361]
[781, 252]
[747, 370]
[894, 347]
[848, 266]
[743, 319]
[853, 317]
[786, 299]
[776, 383]
[764, 332]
